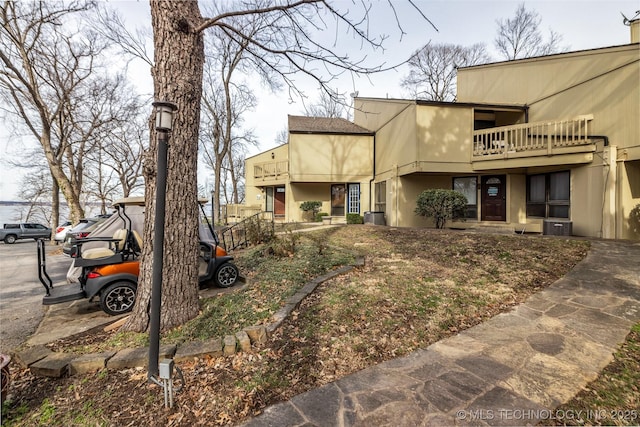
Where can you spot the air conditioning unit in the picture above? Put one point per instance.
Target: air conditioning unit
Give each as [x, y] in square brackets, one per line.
[376, 218]
[557, 227]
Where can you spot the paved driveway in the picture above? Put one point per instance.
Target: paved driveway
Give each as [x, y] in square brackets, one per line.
[21, 293]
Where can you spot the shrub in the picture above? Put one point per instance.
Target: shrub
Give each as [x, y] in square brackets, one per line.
[285, 244]
[441, 205]
[354, 218]
[311, 208]
[634, 219]
[319, 216]
[258, 231]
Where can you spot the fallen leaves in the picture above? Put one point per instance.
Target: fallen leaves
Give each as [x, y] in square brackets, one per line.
[416, 287]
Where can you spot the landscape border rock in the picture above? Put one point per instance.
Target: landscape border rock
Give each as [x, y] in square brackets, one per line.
[44, 362]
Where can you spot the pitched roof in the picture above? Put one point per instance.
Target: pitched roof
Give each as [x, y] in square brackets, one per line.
[303, 124]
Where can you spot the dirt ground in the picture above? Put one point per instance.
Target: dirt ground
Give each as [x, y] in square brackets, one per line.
[453, 279]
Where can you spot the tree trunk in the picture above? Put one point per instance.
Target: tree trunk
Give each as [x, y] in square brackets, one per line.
[60, 179]
[55, 207]
[177, 74]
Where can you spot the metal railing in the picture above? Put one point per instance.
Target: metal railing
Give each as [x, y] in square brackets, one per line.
[533, 136]
[252, 230]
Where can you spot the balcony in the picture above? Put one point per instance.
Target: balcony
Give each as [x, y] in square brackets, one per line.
[538, 139]
[271, 171]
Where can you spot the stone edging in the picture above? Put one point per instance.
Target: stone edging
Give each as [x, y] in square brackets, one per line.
[45, 362]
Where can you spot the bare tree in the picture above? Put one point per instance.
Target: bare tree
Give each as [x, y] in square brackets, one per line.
[330, 104]
[282, 137]
[236, 170]
[48, 77]
[284, 47]
[433, 69]
[36, 190]
[226, 98]
[520, 37]
[114, 166]
[125, 150]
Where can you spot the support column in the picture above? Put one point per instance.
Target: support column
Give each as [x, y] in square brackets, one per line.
[610, 177]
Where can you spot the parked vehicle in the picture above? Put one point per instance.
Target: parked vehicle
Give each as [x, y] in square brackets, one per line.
[61, 231]
[80, 231]
[107, 263]
[27, 230]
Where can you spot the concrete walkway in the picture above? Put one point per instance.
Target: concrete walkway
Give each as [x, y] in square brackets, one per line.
[514, 369]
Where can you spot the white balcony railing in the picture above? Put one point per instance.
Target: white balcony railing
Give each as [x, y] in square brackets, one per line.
[533, 137]
[271, 170]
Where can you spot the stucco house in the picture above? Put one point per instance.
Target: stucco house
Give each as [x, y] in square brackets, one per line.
[329, 160]
[547, 144]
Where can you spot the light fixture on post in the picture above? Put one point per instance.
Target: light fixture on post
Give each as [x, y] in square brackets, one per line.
[164, 124]
[164, 115]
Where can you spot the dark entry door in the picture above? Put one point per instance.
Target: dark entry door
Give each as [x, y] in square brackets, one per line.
[494, 199]
[278, 206]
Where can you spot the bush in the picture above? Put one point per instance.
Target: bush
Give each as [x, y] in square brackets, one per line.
[319, 216]
[354, 218]
[311, 208]
[634, 219]
[285, 244]
[441, 205]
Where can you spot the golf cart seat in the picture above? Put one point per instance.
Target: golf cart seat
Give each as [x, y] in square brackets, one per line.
[124, 245]
[116, 244]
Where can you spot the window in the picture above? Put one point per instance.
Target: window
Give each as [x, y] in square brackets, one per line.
[469, 187]
[269, 199]
[381, 196]
[354, 198]
[549, 195]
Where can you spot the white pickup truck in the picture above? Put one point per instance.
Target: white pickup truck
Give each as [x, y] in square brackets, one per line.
[26, 230]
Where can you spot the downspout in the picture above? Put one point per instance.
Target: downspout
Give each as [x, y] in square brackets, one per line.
[605, 138]
[373, 176]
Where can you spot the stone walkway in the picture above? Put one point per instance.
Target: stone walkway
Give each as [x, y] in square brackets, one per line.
[514, 369]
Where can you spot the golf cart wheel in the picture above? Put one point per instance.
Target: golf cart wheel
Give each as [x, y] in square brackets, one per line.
[226, 275]
[10, 239]
[118, 298]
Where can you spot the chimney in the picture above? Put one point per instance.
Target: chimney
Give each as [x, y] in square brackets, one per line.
[635, 30]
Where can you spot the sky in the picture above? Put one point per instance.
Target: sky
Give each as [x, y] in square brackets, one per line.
[583, 24]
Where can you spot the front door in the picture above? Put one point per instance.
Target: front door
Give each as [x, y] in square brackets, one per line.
[494, 199]
[278, 206]
[337, 199]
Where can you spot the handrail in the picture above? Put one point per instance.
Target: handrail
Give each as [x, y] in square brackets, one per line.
[533, 136]
[42, 268]
[240, 230]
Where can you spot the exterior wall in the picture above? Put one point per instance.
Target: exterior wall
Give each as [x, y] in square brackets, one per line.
[444, 136]
[253, 187]
[330, 158]
[374, 113]
[587, 198]
[420, 146]
[603, 82]
[629, 188]
[302, 192]
[396, 143]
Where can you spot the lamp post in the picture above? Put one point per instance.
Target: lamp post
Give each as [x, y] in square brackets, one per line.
[213, 207]
[164, 125]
